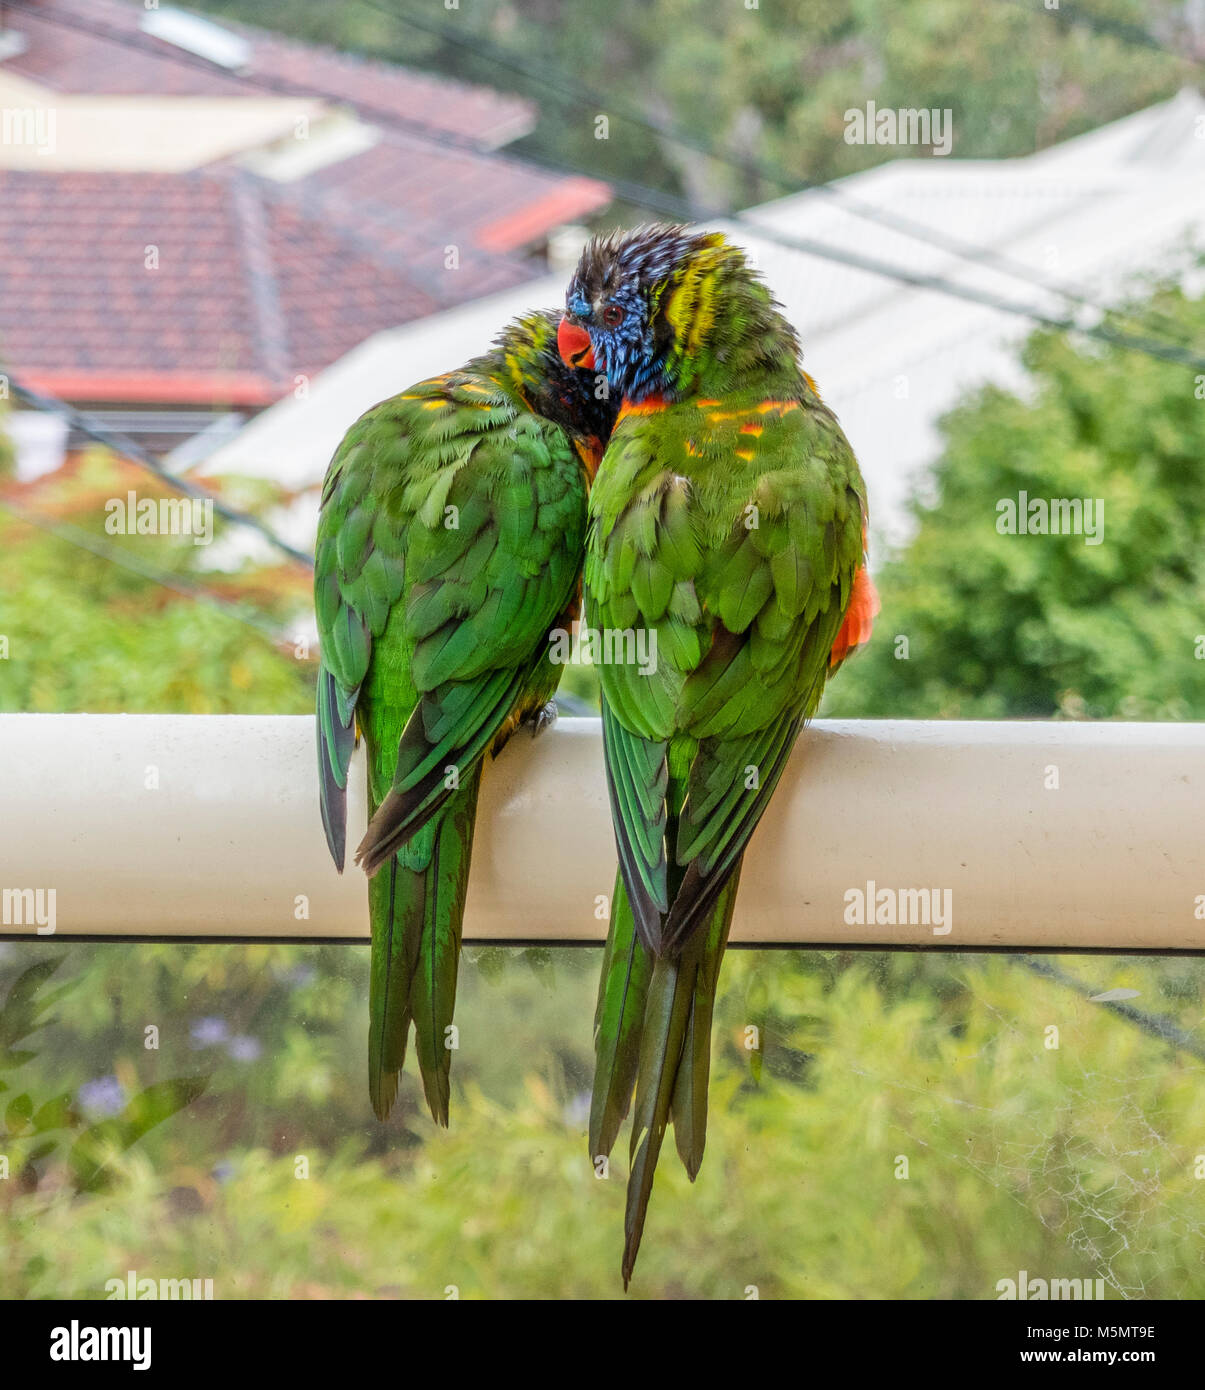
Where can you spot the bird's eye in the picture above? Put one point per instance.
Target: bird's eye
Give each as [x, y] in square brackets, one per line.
[612, 315]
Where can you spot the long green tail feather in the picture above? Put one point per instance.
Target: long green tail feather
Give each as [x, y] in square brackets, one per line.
[395, 899]
[618, 1019]
[688, 1109]
[416, 917]
[675, 1062]
[433, 985]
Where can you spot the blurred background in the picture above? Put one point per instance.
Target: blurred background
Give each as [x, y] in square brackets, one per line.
[220, 243]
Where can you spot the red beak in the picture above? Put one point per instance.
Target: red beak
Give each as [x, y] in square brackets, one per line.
[574, 345]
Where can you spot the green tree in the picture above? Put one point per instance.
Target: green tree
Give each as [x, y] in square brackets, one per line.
[86, 633]
[978, 623]
[770, 81]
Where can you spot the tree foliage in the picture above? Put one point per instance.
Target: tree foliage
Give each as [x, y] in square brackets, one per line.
[769, 81]
[85, 634]
[1032, 626]
[894, 1126]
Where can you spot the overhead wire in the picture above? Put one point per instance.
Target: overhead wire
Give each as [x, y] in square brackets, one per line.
[166, 579]
[576, 92]
[670, 205]
[657, 200]
[88, 425]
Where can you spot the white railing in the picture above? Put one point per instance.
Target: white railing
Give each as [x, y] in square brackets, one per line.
[1034, 834]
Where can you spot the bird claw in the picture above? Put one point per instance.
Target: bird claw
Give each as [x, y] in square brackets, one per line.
[544, 718]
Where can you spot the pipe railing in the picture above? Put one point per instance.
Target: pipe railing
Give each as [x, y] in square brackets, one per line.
[893, 833]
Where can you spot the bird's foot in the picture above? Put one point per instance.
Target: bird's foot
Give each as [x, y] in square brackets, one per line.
[543, 718]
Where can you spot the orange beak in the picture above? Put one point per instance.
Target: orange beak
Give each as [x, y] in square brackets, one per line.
[574, 345]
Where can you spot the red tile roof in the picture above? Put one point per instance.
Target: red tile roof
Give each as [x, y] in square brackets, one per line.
[258, 281]
[249, 292]
[417, 198]
[503, 205]
[79, 60]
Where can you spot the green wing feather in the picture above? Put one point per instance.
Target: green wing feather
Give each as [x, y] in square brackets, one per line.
[636, 785]
[451, 528]
[359, 573]
[483, 597]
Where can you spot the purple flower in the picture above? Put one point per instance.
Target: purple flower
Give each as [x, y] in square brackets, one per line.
[244, 1049]
[208, 1032]
[577, 1110]
[104, 1096]
[223, 1171]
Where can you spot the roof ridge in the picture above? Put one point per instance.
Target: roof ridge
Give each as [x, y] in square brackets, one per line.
[354, 64]
[260, 269]
[325, 206]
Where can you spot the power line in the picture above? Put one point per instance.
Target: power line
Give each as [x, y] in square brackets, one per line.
[1157, 1025]
[121, 444]
[1167, 352]
[669, 205]
[855, 206]
[681, 210]
[82, 540]
[1134, 35]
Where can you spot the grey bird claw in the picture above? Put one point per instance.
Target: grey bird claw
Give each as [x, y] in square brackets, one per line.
[544, 718]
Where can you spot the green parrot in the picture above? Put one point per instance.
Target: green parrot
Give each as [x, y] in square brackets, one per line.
[449, 548]
[727, 521]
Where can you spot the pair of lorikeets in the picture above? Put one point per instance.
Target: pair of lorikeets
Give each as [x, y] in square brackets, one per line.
[663, 442]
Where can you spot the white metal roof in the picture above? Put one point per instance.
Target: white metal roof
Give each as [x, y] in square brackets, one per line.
[1091, 214]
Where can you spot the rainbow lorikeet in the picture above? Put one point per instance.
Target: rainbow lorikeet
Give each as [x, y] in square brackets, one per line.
[449, 546]
[728, 520]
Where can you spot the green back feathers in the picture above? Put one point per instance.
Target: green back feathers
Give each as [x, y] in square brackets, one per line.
[721, 327]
